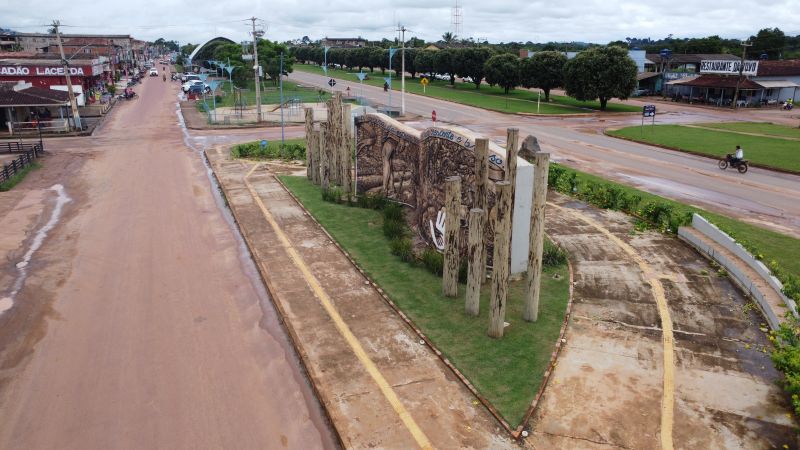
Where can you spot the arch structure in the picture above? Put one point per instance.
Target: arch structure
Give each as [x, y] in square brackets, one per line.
[206, 44]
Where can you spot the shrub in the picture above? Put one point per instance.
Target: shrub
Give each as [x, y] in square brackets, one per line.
[332, 194]
[553, 255]
[280, 151]
[786, 357]
[433, 261]
[402, 247]
[393, 229]
[372, 201]
[393, 211]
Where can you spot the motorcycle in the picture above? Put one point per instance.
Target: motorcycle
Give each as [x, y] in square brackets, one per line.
[128, 94]
[738, 164]
[787, 106]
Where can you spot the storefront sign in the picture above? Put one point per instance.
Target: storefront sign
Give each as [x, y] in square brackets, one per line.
[669, 76]
[45, 71]
[729, 67]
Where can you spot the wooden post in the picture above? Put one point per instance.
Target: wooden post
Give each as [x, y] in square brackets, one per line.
[346, 149]
[476, 272]
[452, 231]
[501, 261]
[481, 174]
[310, 143]
[334, 138]
[512, 146]
[324, 160]
[316, 156]
[541, 163]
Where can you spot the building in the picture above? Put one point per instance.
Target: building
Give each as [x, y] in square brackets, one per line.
[21, 103]
[343, 42]
[46, 71]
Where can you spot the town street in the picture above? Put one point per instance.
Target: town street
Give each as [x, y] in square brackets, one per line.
[761, 197]
[142, 322]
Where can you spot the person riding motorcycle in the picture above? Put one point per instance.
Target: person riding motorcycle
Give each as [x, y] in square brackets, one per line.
[164, 77]
[738, 156]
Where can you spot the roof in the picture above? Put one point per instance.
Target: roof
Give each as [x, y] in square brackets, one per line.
[32, 96]
[717, 81]
[769, 84]
[646, 75]
[789, 67]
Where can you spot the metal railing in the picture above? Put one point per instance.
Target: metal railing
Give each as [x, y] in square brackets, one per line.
[47, 126]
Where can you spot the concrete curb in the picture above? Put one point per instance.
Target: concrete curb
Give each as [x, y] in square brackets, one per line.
[516, 433]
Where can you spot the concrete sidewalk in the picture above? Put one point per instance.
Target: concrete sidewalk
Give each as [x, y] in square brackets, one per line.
[379, 385]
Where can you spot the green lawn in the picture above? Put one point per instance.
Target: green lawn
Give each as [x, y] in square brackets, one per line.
[768, 152]
[757, 127]
[270, 95]
[487, 97]
[773, 246]
[509, 371]
[16, 179]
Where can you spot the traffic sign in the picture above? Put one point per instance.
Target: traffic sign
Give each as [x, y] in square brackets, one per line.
[433, 115]
[264, 143]
[424, 81]
[331, 82]
[649, 111]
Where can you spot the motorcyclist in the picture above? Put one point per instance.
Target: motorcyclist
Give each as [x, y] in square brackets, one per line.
[164, 77]
[738, 156]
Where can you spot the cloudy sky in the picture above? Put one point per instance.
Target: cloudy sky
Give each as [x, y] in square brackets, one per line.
[497, 21]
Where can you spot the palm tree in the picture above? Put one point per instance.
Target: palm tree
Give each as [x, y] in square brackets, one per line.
[448, 38]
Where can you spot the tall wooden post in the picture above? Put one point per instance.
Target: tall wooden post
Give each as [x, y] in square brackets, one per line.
[541, 163]
[512, 146]
[310, 143]
[335, 138]
[501, 260]
[346, 149]
[481, 174]
[452, 231]
[476, 270]
[316, 177]
[324, 154]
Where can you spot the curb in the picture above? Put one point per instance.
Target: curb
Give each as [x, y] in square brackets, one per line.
[302, 356]
[515, 433]
[713, 158]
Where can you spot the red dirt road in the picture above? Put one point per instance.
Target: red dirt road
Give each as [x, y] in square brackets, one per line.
[143, 325]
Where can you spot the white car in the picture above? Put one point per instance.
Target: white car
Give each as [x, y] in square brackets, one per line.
[153, 72]
[186, 86]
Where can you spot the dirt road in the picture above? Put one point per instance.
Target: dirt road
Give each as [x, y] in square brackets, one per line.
[140, 323]
[763, 197]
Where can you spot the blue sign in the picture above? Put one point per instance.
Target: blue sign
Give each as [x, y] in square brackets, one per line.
[361, 75]
[388, 81]
[391, 52]
[264, 143]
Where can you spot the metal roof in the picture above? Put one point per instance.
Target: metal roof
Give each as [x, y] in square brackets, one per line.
[769, 84]
[32, 96]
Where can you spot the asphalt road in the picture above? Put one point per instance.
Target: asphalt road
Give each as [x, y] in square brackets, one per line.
[761, 197]
[156, 331]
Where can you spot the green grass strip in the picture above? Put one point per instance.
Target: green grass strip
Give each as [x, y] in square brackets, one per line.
[508, 371]
[16, 179]
[768, 152]
[769, 129]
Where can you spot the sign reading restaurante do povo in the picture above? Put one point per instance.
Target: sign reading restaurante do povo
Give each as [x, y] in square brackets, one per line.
[729, 67]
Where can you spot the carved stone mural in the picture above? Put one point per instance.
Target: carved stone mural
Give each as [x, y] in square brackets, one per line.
[410, 167]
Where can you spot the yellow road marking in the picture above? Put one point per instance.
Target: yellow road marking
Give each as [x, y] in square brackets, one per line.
[652, 277]
[344, 330]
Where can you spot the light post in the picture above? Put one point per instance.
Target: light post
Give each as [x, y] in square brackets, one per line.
[280, 84]
[665, 54]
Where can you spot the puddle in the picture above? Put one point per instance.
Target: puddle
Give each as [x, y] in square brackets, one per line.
[22, 266]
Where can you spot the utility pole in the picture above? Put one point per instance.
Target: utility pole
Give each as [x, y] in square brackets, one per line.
[402, 29]
[255, 69]
[280, 78]
[744, 44]
[73, 103]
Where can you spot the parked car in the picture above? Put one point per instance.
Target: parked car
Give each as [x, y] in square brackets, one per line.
[467, 80]
[189, 76]
[640, 92]
[191, 83]
[153, 72]
[199, 89]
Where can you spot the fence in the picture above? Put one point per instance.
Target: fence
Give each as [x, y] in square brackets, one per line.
[16, 165]
[47, 126]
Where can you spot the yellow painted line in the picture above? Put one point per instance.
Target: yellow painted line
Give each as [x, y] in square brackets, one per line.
[653, 278]
[344, 330]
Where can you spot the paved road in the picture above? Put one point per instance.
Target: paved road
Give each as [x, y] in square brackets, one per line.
[761, 197]
[141, 324]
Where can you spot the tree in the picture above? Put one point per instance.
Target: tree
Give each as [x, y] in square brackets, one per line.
[411, 54]
[424, 61]
[448, 38]
[544, 70]
[445, 62]
[242, 71]
[470, 63]
[502, 70]
[269, 58]
[770, 41]
[600, 73]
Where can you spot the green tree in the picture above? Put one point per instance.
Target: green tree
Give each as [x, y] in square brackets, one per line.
[243, 71]
[600, 73]
[502, 70]
[411, 54]
[448, 38]
[544, 70]
[269, 54]
[445, 62]
[770, 41]
[424, 61]
[470, 62]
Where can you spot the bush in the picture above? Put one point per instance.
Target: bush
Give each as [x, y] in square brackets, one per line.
[433, 261]
[402, 247]
[786, 357]
[254, 150]
[393, 211]
[553, 255]
[332, 194]
[393, 229]
[370, 201]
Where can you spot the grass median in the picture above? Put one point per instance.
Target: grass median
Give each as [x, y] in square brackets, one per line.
[487, 97]
[771, 152]
[508, 371]
[270, 95]
[18, 177]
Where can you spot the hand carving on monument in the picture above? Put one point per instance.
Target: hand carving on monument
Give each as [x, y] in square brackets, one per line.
[438, 238]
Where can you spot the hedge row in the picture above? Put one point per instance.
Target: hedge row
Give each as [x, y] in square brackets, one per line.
[254, 150]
